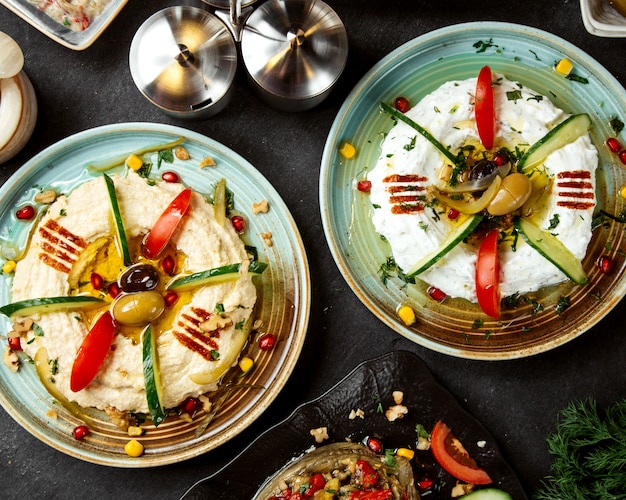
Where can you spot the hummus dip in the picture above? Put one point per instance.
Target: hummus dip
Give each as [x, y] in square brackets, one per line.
[76, 237]
[409, 167]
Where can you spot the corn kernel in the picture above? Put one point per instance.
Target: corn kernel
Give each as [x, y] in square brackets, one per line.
[564, 67]
[8, 266]
[622, 192]
[407, 314]
[246, 364]
[406, 453]
[134, 162]
[133, 448]
[347, 150]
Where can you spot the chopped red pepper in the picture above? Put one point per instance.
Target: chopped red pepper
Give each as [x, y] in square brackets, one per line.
[484, 108]
[162, 231]
[92, 352]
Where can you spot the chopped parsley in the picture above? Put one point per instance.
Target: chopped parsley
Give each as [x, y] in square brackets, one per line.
[577, 78]
[482, 46]
[616, 124]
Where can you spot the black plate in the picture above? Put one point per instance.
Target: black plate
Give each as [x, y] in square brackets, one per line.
[368, 387]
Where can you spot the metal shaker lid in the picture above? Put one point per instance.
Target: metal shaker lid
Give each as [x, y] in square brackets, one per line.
[294, 49]
[184, 59]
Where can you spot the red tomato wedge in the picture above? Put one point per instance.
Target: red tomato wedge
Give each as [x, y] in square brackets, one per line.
[488, 275]
[452, 456]
[160, 234]
[484, 108]
[92, 352]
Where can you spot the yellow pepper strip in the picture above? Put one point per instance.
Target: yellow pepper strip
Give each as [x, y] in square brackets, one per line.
[406, 453]
[407, 314]
[564, 67]
[475, 206]
[134, 162]
[133, 448]
[347, 150]
[622, 193]
[8, 267]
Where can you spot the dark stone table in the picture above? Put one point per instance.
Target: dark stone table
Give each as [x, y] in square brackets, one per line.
[517, 400]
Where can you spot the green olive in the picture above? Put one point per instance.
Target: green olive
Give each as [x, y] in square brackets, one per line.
[136, 309]
[513, 193]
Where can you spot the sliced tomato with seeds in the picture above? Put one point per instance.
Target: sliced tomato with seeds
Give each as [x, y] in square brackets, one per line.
[92, 352]
[484, 108]
[163, 229]
[454, 458]
[488, 275]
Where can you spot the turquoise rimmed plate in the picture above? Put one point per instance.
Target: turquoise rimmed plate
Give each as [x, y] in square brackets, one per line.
[456, 327]
[282, 306]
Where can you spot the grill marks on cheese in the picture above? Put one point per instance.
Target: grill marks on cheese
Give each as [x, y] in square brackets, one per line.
[60, 248]
[576, 188]
[406, 193]
[189, 334]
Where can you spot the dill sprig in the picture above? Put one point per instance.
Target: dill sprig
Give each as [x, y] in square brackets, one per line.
[589, 449]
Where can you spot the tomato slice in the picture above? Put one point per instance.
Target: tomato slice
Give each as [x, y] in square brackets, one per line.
[92, 352]
[450, 454]
[484, 108]
[488, 275]
[160, 234]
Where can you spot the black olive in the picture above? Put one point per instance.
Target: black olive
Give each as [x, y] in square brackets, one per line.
[484, 168]
[139, 278]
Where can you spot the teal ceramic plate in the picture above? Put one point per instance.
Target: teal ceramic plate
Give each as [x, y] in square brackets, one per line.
[418, 67]
[283, 303]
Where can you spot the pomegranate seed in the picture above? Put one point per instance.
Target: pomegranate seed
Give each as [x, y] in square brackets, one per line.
[402, 104]
[605, 264]
[500, 158]
[374, 444]
[27, 212]
[190, 406]
[436, 294]
[15, 344]
[80, 432]
[425, 484]
[613, 145]
[622, 156]
[97, 281]
[364, 186]
[267, 341]
[168, 264]
[170, 298]
[114, 290]
[453, 214]
[170, 176]
[238, 223]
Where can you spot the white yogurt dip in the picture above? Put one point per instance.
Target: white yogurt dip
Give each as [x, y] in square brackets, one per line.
[408, 168]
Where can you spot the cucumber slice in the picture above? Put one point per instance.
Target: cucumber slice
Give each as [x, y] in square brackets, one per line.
[422, 131]
[564, 133]
[28, 307]
[214, 276]
[552, 249]
[458, 234]
[42, 366]
[152, 377]
[118, 221]
[488, 494]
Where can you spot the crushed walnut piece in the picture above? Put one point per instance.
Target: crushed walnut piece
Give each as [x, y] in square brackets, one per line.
[398, 410]
[207, 162]
[206, 403]
[356, 413]
[181, 153]
[398, 396]
[48, 196]
[215, 322]
[320, 434]
[267, 238]
[461, 489]
[119, 418]
[10, 359]
[261, 207]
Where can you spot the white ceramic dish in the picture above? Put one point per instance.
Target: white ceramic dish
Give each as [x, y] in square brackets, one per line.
[601, 19]
[75, 40]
